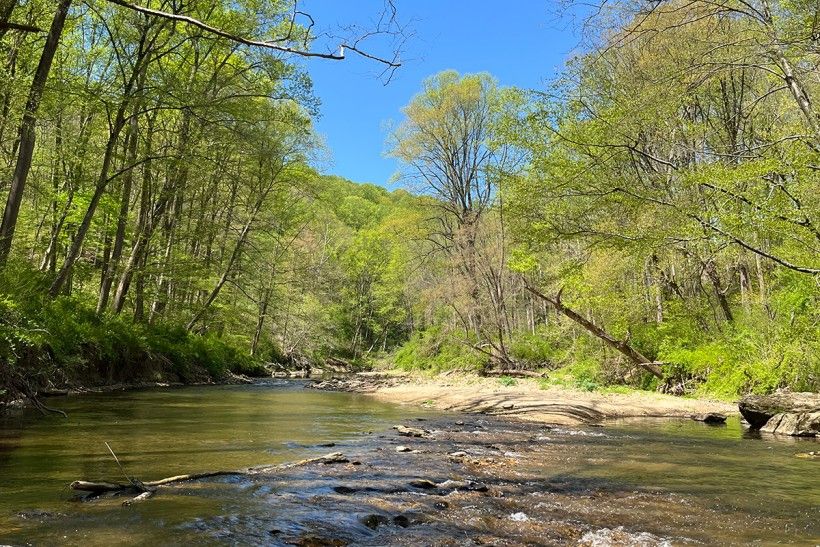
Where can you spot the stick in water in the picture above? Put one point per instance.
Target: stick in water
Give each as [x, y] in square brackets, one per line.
[116, 459]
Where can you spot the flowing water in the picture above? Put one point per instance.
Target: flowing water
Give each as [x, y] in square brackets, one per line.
[678, 479]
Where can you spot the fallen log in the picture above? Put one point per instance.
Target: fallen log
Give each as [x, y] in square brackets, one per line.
[514, 373]
[621, 346]
[98, 488]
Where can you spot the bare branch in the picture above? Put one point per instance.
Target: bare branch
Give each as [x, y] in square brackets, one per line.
[269, 44]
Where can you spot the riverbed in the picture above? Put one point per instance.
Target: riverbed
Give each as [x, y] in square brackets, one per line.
[650, 482]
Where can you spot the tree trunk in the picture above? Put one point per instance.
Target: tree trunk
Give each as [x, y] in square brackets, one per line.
[27, 134]
[631, 353]
[146, 223]
[720, 292]
[125, 200]
[6, 8]
[142, 55]
[260, 321]
[237, 251]
[85, 225]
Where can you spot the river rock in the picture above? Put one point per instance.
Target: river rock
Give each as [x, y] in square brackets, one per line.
[424, 484]
[470, 486]
[402, 448]
[711, 418]
[796, 424]
[374, 521]
[401, 520]
[405, 431]
[796, 414]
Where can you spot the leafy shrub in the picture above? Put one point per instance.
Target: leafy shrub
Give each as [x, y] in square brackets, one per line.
[507, 381]
[434, 350]
[584, 375]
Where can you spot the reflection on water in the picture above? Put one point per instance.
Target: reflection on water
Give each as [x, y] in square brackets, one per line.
[159, 433]
[721, 468]
[696, 469]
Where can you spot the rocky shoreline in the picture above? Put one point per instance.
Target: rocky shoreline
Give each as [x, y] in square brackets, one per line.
[441, 478]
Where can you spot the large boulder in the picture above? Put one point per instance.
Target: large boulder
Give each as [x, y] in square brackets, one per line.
[785, 413]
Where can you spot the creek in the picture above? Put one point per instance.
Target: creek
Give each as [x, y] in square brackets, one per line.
[640, 482]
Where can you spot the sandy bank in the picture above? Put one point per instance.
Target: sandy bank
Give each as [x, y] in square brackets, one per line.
[525, 400]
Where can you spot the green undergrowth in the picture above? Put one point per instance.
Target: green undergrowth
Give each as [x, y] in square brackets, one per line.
[433, 351]
[63, 341]
[753, 354]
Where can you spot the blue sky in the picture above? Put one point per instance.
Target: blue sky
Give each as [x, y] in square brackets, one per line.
[521, 42]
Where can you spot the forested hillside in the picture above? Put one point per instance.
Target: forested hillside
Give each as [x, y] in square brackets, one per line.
[650, 219]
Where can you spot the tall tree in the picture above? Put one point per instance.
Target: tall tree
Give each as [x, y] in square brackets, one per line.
[27, 134]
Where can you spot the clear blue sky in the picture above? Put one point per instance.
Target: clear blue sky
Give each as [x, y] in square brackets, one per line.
[520, 42]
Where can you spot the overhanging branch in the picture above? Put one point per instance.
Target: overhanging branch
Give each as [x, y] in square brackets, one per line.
[268, 44]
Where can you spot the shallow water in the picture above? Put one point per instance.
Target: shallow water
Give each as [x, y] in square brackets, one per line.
[744, 488]
[679, 479]
[160, 433]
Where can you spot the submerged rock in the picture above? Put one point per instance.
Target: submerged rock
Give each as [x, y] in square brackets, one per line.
[796, 414]
[711, 418]
[401, 520]
[424, 484]
[467, 486]
[374, 521]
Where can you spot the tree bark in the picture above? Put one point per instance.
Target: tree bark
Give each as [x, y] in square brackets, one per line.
[720, 292]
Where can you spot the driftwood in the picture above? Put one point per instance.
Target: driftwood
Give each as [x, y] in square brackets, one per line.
[142, 497]
[513, 373]
[149, 487]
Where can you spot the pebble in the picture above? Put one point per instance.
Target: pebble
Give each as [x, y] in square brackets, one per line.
[402, 448]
